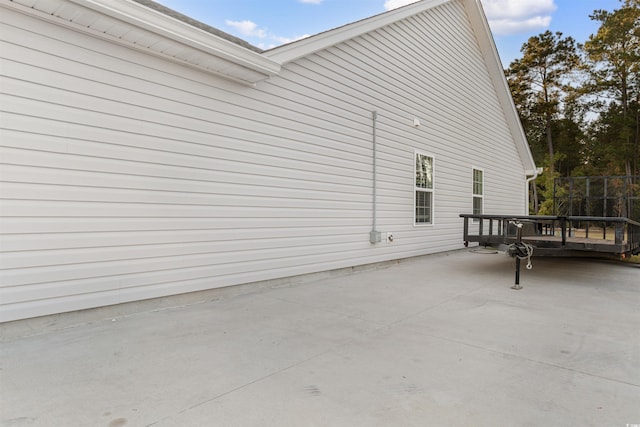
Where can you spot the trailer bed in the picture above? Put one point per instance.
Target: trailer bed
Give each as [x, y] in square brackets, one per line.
[557, 235]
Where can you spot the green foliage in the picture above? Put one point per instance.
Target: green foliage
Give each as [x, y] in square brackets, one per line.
[580, 104]
[539, 81]
[613, 69]
[545, 184]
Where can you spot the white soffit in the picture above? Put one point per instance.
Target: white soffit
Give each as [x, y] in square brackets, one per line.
[135, 25]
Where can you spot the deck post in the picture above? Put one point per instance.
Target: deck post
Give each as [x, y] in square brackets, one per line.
[563, 229]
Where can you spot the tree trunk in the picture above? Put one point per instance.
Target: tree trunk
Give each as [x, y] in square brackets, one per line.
[550, 145]
[548, 117]
[629, 188]
[636, 143]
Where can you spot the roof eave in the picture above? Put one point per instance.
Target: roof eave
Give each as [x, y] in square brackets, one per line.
[158, 34]
[161, 24]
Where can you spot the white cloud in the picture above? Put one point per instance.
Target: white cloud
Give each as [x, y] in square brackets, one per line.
[507, 16]
[247, 28]
[265, 39]
[511, 26]
[518, 16]
[517, 9]
[278, 41]
[394, 4]
[285, 40]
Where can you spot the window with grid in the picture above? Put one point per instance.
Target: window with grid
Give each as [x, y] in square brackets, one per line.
[478, 191]
[424, 189]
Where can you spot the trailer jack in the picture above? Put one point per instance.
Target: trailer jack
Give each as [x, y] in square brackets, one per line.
[520, 250]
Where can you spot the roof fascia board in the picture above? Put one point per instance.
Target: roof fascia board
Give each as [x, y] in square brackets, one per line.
[75, 27]
[489, 50]
[292, 51]
[172, 28]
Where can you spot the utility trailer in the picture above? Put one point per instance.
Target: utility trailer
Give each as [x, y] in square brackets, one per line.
[572, 230]
[587, 236]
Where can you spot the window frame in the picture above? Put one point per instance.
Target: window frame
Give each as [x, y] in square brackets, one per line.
[474, 195]
[425, 190]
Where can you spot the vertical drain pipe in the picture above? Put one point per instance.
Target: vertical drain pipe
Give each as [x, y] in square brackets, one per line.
[374, 235]
[537, 172]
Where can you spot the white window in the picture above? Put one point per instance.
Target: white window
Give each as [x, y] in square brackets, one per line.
[424, 190]
[478, 191]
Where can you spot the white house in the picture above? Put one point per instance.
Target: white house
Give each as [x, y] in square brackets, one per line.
[145, 154]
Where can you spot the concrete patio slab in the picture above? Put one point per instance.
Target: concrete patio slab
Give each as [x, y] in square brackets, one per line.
[439, 340]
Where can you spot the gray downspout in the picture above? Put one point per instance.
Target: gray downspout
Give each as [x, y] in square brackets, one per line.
[528, 182]
[374, 235]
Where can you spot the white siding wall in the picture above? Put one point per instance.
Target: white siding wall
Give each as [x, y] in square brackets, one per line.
[126, 177]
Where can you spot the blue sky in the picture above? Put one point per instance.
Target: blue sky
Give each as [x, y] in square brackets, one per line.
[268, 23]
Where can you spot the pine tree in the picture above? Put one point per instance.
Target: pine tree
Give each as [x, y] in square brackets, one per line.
[541, 76]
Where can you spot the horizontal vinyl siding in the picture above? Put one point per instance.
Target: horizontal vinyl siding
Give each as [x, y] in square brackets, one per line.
[126, 177]
[441, 79]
